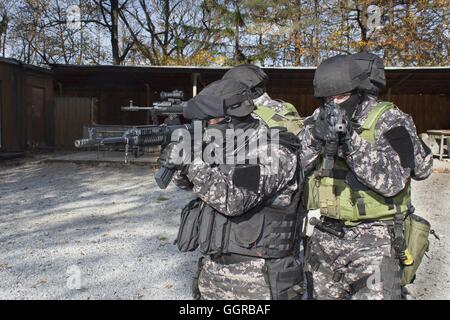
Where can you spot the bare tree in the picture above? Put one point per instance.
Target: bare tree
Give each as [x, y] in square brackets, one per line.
[110, 12]
[4, 23]
[169, 32]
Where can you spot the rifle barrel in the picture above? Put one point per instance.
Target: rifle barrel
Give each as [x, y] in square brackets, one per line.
[84, 143]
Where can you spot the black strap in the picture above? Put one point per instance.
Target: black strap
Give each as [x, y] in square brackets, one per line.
[354, 183]
[361, 206]
[399, 244]
[390, 202]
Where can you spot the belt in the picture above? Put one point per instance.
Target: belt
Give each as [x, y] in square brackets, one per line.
[232, 258]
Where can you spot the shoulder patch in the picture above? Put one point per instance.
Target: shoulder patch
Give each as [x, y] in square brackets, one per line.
[247, 177]
[400, 141]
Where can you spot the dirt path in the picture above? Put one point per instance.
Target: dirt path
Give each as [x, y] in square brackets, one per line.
[112, 229]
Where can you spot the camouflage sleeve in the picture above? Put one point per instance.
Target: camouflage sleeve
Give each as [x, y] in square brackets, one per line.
[310, 146]
[220, 189]
[379, 166]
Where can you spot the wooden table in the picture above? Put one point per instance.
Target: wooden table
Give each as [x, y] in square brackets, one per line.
[442, 135]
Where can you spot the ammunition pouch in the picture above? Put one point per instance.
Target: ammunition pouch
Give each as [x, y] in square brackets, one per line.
[211, 231]
[263, 232]
[417, 231]
[188, 233]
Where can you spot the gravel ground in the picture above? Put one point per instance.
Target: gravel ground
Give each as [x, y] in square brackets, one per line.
[69, 231]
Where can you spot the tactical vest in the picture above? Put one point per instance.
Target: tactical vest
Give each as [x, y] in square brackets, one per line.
[343, 197]
[264, 232]
[288, 117]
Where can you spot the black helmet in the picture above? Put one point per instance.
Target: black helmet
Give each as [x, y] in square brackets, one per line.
[250, 75]
[374, 67]
[220, 98]
[338, 75]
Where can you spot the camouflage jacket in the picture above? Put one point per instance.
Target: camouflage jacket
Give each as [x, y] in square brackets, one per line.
[220, 186]
[378, 166]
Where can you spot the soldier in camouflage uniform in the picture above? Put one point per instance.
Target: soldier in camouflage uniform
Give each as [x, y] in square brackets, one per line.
[274, 113]
[356, 251]
[247, 213]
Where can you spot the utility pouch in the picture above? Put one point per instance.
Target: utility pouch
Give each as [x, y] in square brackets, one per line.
[211, 231]
[187, 238]
[285, 278]
[417, 231]
[311, 192]
[328, 202]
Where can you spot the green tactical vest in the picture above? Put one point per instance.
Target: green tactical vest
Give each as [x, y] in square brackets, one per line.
[288, 117]
[354, 204]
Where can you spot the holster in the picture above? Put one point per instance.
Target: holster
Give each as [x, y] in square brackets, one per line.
[285, 278]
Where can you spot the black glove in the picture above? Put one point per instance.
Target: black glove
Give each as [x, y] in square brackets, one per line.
[321, 129]
[172, 157]
[182, 181]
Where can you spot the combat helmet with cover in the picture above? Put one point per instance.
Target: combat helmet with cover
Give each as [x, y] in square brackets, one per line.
[222, 98]
[277, 113]
[339, 74]
[374, 67]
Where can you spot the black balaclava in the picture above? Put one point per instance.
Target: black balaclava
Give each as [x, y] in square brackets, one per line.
[351, 104]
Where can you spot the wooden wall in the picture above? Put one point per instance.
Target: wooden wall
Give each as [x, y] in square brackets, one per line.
[422, 93]
[44, 82]
[429, 111]
[12, 108]
[80, 111]
[17, 82]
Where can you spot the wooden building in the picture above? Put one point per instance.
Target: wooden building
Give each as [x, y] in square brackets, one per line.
[26, 106]
[424, 92]
[49, 107]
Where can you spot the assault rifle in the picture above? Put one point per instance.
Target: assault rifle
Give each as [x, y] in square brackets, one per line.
[142, 136]
[171, 105]
[335, 116]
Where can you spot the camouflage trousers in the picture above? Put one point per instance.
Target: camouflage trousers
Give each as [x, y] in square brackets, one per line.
[359, 266]
[237, 281]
